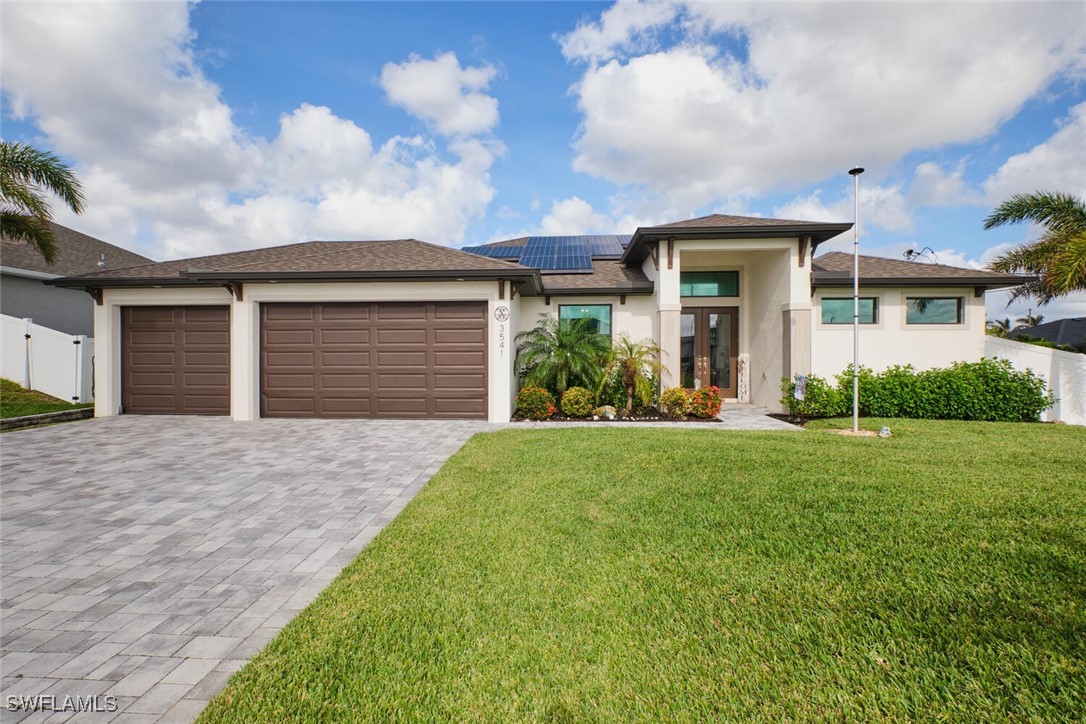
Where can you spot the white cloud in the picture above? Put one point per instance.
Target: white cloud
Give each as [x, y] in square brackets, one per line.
[821, 86]
[573, 216]
[1058, 164]
[620, 26]
[443, 93]
[115, 86]
[880, 206]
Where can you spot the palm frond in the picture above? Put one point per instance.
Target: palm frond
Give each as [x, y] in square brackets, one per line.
[31, 229]
[22, 164]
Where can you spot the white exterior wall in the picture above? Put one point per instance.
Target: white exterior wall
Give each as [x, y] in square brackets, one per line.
[245, 331]
[892, 342]
[1065, 373]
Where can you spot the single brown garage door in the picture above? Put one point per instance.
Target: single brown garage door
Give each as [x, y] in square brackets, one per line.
[395, 360]
[175, 360]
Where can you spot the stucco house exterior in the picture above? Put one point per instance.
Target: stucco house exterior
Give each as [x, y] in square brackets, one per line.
[403, 328]
[23, 271]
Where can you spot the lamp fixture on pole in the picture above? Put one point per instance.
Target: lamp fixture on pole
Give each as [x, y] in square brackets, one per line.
[855, 174]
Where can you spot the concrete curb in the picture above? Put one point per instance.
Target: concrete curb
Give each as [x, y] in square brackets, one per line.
[46, 418]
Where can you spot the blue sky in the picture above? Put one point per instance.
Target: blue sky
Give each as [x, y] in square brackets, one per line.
[217, 126]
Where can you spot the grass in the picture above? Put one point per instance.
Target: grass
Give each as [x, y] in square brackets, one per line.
[606, 574]
[17, 401]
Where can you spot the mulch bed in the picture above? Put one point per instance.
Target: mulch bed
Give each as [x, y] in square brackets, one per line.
[648, 415]
[797, 421]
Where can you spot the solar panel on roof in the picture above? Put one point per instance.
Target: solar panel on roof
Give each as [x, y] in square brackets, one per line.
[607, 245]
[539, 252]
[495, 252]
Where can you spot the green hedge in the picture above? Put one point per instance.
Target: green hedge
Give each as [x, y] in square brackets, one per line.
[987, 390]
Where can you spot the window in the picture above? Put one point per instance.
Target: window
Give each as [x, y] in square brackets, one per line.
[933, 310]
[838, 310]
[600, 314]
[709, 284]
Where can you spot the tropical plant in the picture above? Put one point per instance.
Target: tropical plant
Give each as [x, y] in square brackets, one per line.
[26, 174]
[577, 402]
[675, 402]
[705, 402]
[999, 327]
[1030, 320]
[535, 403]
[559, 355]
[1058, 258]
[636, 365]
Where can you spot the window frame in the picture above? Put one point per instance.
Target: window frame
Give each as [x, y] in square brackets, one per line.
[875, 315]
[959, 317]
[735, 272]
[610, 315]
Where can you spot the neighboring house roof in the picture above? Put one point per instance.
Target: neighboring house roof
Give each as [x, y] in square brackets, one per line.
[721, 226]
[76, 254]
[1071, 332]
[329, 260]
[835, 269]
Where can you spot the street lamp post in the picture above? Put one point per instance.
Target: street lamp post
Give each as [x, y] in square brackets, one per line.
[855, 174]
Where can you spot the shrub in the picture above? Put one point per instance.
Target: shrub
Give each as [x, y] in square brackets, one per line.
[675, 402]
[577, 402]
[821, 399]
[535, 403]
[990, 389]
[705, 402]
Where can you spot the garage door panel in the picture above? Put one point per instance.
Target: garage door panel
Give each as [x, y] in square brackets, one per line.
[414, 360]
[344, 337]
[175, 360]
[399, 336]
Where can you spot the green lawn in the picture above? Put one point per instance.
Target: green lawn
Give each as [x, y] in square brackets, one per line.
[16, 401]
[641, 573]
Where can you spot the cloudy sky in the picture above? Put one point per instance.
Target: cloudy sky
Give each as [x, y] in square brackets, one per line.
[211, 127]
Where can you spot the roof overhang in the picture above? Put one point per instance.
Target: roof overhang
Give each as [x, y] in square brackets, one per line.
[529, 278]
[832, 279]
[638, 249]
[631, 290]
[27, 273]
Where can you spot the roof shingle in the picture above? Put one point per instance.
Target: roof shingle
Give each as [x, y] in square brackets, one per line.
[837, 266]
[77, 253]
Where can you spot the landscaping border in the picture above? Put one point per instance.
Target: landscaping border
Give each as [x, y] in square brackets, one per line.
[45, 418]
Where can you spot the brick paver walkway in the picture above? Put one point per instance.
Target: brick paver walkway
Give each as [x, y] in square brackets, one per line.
[148, 557]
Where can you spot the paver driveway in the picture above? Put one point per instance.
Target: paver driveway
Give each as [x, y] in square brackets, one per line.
[147, 558]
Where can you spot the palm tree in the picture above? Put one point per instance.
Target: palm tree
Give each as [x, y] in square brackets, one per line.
[999, 327]
[1058, 258]
[559, 355]
[25, 174]
[638, 366]
[1030, 320]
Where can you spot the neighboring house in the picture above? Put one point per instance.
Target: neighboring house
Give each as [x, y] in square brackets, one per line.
[1061, 332]
[23, 270]
[409, 329]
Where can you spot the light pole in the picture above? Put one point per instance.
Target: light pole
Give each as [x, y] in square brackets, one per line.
[855, 174]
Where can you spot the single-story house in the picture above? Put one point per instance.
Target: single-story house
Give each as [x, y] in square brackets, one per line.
[404, 328]
[23, 271]
[1070, 332]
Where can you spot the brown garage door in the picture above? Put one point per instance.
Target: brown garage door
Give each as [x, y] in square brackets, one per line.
[396, 360]
[175, 360]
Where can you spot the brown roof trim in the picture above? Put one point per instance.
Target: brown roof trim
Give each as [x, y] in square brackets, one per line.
[640, 290]
[193, 277]
[818, 231]
[822, 279]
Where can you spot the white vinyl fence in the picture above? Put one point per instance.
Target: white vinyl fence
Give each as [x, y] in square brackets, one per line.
[43, 359]
[1065, 373]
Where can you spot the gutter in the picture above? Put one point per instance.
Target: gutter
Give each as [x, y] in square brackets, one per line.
[27, 273]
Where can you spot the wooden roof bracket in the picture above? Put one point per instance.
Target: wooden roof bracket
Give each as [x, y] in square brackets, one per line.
[96, 295]
[978, 292]
[670, 251]
[654, 254]
[501, 289]
[235, 290]
[803, 242]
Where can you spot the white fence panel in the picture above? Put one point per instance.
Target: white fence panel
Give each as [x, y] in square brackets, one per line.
[13, 349]
[1065, 373]
[43, 359]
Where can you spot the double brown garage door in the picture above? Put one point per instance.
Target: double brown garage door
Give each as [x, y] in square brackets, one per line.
[395, 360]
[419, 359]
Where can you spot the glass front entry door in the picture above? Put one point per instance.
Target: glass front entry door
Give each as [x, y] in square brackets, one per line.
[709, 348]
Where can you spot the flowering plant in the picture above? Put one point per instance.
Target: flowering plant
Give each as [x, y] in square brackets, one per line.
[705, 402]
[535, 403]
